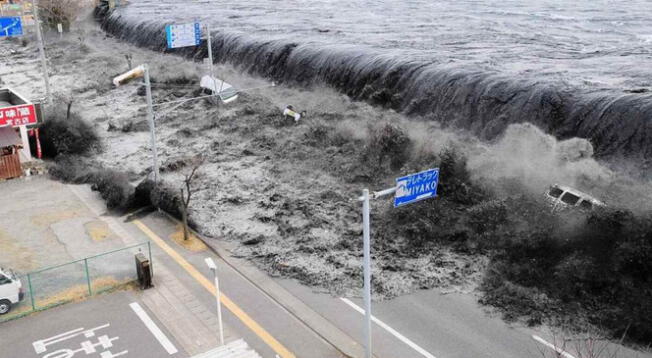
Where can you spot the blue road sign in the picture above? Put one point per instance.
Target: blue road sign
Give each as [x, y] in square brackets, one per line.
[11, 26]
[415, 187]
[183, 35]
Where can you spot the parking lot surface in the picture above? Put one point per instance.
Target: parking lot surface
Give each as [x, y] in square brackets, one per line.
[106, 326]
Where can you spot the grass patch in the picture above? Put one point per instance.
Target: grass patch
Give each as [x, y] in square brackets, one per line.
[76, 293]
[98, 230]
[193, 243]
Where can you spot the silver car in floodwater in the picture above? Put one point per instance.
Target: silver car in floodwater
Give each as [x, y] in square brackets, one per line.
[563, 197]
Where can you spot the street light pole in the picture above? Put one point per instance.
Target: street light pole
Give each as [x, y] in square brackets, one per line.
[211, 265]
[150, 120]
[366, 248]
[41, 49]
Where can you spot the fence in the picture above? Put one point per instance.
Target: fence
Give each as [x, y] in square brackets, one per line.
[10, 166]
[73, 281]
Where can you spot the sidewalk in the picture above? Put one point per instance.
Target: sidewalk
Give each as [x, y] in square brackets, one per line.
[183, 297]
[193, 324]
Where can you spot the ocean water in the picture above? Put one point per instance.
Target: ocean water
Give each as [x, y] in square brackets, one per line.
[573, 68]
[597, 43]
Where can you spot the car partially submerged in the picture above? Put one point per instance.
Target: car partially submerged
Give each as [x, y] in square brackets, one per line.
[214, 86]
[563, 197]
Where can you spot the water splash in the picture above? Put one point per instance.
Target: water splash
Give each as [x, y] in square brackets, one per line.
[617, 124]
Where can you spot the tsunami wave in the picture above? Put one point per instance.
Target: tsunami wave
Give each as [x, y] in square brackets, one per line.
[618, 124]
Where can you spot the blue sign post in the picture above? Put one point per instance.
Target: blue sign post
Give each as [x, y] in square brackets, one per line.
[11, 26]
[408, 189]
[415, 187]
[183, 35]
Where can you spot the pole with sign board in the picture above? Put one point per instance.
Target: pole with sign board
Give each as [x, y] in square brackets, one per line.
[41, 49]
[408, 189]
[211, 67]
[187, 35]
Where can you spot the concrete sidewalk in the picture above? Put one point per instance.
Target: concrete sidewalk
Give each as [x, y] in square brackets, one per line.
[183, 297]
[192, 324]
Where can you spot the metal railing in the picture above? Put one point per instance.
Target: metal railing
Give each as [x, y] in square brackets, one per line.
[72, 281]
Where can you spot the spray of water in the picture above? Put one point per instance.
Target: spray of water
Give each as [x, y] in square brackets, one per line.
[615, 123]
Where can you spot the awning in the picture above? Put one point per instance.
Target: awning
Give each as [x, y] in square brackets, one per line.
[9, 137]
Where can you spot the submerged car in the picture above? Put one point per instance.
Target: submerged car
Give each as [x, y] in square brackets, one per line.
[562, 197]
[214, 86]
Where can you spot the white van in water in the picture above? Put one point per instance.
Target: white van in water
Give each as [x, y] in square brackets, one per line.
[562, 197]
[215, 86]
[11, 290]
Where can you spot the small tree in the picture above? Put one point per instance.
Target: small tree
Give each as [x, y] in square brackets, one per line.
[581, 347]
[187, 191]
[64, 12]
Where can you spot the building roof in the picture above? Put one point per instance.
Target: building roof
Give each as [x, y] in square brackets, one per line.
[9, 137]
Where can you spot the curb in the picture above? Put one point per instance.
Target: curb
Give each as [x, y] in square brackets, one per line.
[302, 312]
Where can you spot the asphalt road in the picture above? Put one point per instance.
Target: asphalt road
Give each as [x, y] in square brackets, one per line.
[293, 335]
[105, 326]
[426, 324]
[430, 324]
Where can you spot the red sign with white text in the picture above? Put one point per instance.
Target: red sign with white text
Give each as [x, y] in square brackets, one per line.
[15, 116]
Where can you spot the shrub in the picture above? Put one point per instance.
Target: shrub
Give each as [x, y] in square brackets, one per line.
[602, 268]
[388, 143]
[113, 186]
[160, 196]
[71, 169]
[65, 135]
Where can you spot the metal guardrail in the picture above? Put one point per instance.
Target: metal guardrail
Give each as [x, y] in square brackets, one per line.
[75, 280]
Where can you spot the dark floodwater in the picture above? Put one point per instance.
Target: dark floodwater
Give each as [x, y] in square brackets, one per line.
[586, 42]
[574, 68]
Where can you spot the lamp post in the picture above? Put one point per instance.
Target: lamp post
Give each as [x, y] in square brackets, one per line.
[143, 71]
[211, 265]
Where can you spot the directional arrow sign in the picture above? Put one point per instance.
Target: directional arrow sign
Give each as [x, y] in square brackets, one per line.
[415, 187]
[11, 26]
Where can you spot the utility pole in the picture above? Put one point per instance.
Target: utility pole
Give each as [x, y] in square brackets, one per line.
[150, 120]
[41, 49]
[366, 248]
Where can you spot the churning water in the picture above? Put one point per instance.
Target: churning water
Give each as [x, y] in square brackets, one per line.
[574, 68]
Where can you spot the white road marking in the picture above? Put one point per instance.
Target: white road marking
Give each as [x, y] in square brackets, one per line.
[389, 329]
[158, 334]
[560, 351]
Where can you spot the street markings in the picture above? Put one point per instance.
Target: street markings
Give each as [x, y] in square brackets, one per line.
[158, 334]
[103, 346]
[559, 351]
[389, 329]
[230, 305]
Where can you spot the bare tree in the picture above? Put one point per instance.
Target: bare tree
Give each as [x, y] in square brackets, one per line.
[62, 12]
[187, 191]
